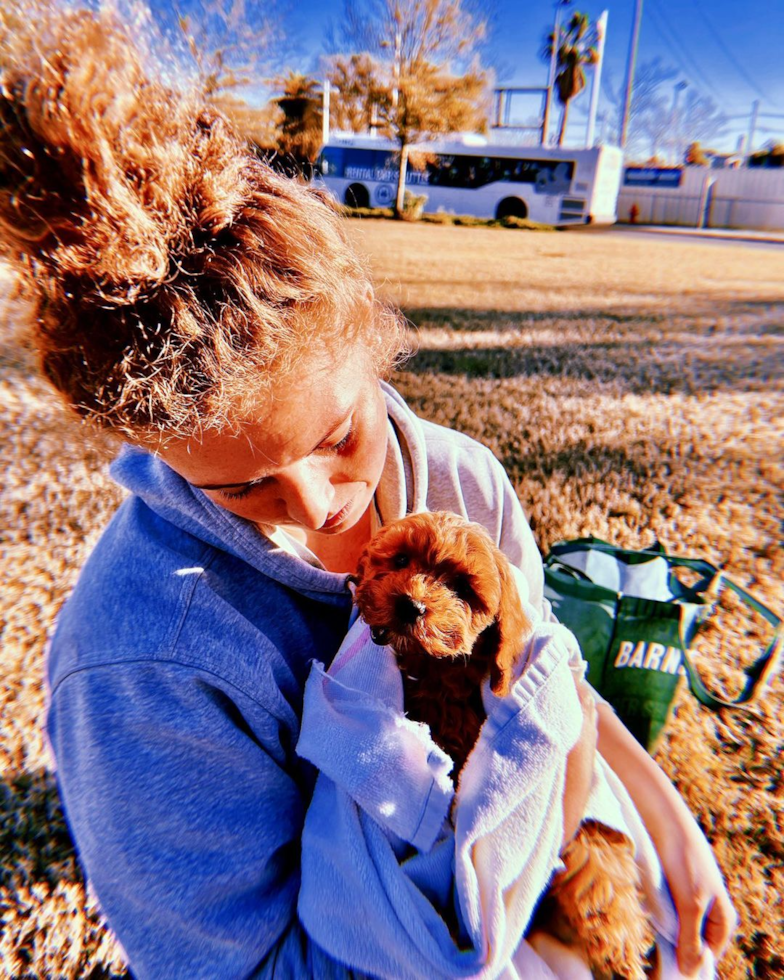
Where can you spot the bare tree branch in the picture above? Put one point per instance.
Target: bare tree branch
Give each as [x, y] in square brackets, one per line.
[232, 42]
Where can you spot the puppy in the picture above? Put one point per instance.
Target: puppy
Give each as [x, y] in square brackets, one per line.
[437, 590]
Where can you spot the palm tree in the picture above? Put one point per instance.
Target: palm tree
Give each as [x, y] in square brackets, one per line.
[299, 133]
[576, 48]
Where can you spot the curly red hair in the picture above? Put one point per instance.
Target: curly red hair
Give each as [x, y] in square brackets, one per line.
[176, 275]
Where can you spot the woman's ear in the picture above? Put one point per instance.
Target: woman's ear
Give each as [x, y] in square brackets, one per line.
[507, 635]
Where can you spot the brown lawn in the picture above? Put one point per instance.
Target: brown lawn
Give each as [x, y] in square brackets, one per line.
[632, 388]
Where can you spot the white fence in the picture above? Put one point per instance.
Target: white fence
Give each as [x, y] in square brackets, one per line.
[748, 197]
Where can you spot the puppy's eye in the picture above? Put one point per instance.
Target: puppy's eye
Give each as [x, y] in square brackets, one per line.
[401, 560]
[461, 586]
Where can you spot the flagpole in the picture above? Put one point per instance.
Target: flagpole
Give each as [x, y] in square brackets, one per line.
[627, 102]
[601, 28]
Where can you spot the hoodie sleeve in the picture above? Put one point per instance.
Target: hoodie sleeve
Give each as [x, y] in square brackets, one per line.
[186, 823]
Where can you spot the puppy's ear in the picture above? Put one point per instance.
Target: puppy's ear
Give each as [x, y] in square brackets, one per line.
[357, 576]
[507, 634]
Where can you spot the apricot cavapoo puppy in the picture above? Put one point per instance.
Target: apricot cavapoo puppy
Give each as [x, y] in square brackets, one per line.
[437, 590]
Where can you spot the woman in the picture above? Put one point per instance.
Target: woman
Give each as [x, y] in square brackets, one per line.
[213, 316]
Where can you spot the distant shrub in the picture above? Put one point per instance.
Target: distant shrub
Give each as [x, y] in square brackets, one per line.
[696, 156]
[444, 218]
[468, 221]
[439, 218]
[512, 222]
[367, 212]
[773, 156]
[414, 206]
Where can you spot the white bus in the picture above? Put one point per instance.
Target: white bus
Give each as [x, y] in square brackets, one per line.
[551, 185]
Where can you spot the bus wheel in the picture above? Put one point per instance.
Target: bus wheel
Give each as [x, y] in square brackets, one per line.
[511, 207]
[356, 196]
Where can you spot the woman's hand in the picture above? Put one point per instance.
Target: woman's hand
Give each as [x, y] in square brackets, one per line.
[579, 765]
[705, 912]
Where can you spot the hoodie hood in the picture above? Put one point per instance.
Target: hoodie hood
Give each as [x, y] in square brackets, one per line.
[402, 490]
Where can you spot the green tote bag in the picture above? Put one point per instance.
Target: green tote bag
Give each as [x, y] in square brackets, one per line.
[635, 620]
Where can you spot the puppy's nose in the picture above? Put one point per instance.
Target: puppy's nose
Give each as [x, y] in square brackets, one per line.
[409, 610]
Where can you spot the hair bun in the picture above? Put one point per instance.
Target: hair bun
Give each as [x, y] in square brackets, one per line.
[105, 173]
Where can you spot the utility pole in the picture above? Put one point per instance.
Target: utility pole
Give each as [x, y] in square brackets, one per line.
[548, 99]
[601, 29]
[630, 65]
[325, 112]
[675, 123]
[752, 126]
[500, 98]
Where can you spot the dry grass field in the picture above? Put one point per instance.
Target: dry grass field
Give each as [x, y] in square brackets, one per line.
[632, 388]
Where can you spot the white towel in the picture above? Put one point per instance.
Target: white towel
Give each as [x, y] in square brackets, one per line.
[380, 859]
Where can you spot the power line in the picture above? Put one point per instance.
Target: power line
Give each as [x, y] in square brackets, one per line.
[728, 53]
[687, 63]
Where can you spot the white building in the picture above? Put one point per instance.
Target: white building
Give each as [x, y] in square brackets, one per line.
[746, 197]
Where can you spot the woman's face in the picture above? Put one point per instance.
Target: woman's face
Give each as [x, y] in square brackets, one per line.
[311, 458]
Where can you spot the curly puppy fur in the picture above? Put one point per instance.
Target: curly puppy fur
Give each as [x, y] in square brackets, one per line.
[438, 591]
[433, 588]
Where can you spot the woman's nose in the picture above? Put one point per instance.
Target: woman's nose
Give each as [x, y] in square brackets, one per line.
[307, 495]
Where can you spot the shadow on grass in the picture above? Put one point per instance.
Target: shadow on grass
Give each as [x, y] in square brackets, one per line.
[590, 453]
[37, 856]
[691, 354]
[34, 839]
[468, 319]
[579, 460]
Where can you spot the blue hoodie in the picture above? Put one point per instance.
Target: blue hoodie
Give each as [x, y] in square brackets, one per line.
[176, 678]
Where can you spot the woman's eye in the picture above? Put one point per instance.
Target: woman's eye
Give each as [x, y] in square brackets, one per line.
[401, 560]
[344, 442]
[240, 494]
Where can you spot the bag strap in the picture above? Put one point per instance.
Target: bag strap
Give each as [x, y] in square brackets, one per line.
[758, 675]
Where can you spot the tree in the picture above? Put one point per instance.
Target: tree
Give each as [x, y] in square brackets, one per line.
[699, 120]
[299, 131]
[695, 156]
[232, 42]
[649, 121]
[430, 85]
[363, 96]
[260, 126]
[771, 156]
[576, 47]
[656, 119]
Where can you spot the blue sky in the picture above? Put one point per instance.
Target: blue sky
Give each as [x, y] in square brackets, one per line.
[727, 49]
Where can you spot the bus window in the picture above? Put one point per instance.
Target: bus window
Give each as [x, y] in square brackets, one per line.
[485, 171]
[526, 171]
[330, 162]
[504, 168]
[547, 176]
[418, 168]
[447, 170]
[555, 177]
[387, 165]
